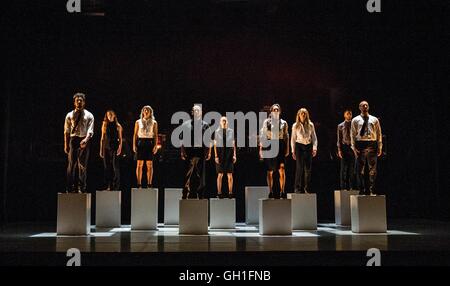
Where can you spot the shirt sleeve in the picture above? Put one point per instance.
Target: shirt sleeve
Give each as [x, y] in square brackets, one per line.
[67, 124]
[338, 138]
[379, 135]
[353, 132]
[90, 129]
[293, 138]
[313, 137]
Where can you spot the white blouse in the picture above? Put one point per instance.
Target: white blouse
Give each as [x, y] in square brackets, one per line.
[300, 135]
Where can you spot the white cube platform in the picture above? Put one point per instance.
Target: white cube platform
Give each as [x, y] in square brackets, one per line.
[252, 196]
[222, 213]
[304, 211]
[171, 205]
[144, 209]
[342, 206]
[108, 208]
[74, 214]
[193, 216]
[275, 217]
[368, 214]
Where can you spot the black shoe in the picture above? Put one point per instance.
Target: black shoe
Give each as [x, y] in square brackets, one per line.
[220, 196]
[277, 196]
[192, 196]
[283, 195]
[270, 195]
[297, 191]
[362, 193]
[230, 195]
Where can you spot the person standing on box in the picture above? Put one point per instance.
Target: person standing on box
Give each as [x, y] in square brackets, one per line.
[195, 152]
[110, 149]
[366, 140]
[345, 152]
[275, 131]
[304, 146]
[225, 156]
[145, 144]
[78, 131]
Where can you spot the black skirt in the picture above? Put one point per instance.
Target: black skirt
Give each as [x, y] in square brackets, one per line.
[225, 156]
[274, 163]
[145, 149]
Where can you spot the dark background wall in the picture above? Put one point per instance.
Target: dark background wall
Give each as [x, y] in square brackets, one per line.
[230, 56]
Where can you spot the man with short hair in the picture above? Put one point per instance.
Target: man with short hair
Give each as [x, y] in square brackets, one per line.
[345, 152]
[366, 140]
[78, 130]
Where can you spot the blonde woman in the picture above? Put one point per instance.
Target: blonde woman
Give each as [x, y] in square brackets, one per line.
[144, 144]
[110, 148]
[304, 147]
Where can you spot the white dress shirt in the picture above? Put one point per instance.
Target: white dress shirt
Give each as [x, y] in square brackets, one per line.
[85, 126]
[300, 135]
[372, 131]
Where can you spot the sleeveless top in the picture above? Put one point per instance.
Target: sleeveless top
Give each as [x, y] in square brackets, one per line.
[145, 128]
[112, 136]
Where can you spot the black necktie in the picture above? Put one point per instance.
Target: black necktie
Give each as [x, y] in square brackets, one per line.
[364, 127]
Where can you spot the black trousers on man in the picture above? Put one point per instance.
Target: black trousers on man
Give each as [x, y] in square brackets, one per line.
[366, 166]
[112, 169]
[347, 174]
[77, 161]
[303, 163]
[194, 180]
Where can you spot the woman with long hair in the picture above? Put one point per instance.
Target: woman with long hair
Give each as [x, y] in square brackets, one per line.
[144, 143]
[304, 147]
[110, 148]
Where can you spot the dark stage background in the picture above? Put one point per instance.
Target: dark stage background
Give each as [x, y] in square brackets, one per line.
[230, 56]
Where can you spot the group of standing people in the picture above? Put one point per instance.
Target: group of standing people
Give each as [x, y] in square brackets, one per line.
[359, 143]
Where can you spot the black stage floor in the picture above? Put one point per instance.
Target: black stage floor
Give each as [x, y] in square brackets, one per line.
[407, 242]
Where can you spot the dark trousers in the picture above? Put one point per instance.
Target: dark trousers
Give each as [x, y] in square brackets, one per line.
[77, 161]
[194, 181]
[112, 169]
[366, 165]
[347, 174]
[303, 162]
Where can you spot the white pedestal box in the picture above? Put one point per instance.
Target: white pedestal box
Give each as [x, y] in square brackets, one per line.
[74, 214]
[252, 196]
[222, 213]
[342, 206]
[171, 205]
[144, 209]
[368, 214]
[275, 216]
[108, 208]
[193, 216]
[304, 211]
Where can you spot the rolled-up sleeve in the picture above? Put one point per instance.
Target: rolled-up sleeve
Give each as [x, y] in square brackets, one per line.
[90, 127]
[353, 132]
[67, 124]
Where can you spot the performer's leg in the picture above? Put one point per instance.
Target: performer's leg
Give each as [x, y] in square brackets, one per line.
[71, 164]
[219, 183]
[149, 165]
[139, 165]
[307, 155]
[83, 158]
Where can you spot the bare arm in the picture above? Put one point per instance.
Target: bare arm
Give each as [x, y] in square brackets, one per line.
[120, 131]
[135, 135]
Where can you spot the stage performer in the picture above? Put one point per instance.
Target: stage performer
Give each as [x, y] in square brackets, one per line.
[276, 131]
[304, 146]
[366, 140]
[225, 156]
[110, 149]
[78, 131]
[145, 144]
[195, 153]
[345, 152]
